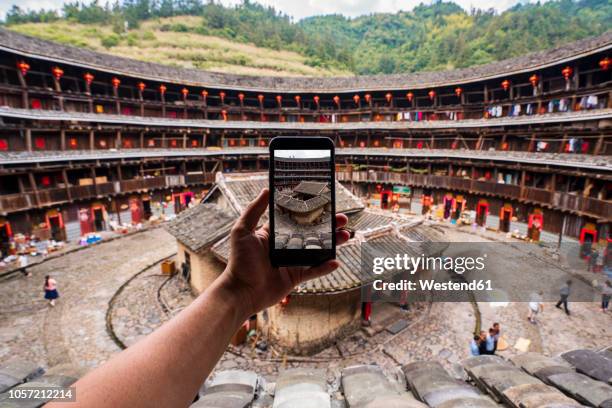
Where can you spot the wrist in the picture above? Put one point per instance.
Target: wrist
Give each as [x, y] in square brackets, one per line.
[229, 296]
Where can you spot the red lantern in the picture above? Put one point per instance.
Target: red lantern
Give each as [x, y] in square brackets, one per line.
[162, 89]
[409, 96]
[241, 97]
[432, 94]
[356, 99]
[222, 96]
[141, 86]
[260, 98]
[224, 114]
[57, 72]
[73, 143]
[368, 97]
[115, 82]
[534, 80]
[567, 72]
[88, 78]
[505, 84]
[185, 92]
[316, 100]
[458, 91]
[24, 67]
[204, 94]
[605, 63]
[298, 99]
[337, 100]
[284, 301]
[388, 97]
[279, 99]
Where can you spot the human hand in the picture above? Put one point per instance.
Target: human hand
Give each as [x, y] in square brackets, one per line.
[249, 273]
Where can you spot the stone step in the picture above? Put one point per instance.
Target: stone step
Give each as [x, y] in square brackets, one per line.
[301, 388]
[591, 363]
[15, 372]
[367, 386]
[536, 396]
[583, 388]
[231, 388]
[432, 384]
[45, 381]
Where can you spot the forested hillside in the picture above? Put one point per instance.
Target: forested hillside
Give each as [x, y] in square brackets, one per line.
[430, 37]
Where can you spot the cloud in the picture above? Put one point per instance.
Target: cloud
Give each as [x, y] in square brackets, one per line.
[305, 8]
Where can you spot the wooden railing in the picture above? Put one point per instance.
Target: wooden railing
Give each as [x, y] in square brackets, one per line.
[47, 197]
[558, 200]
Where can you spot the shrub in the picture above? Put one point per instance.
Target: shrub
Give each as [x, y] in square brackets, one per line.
[110, 41]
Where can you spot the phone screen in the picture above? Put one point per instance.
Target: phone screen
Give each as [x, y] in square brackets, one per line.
[302, 196]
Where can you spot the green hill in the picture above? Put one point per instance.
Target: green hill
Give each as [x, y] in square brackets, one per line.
[252, 39]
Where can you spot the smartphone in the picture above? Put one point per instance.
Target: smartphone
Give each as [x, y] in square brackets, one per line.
[302, 201]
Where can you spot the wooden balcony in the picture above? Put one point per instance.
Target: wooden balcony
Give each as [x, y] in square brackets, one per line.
[562, 201]
[53, 196]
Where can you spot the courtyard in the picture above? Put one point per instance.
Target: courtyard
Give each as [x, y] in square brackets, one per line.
[113, 294]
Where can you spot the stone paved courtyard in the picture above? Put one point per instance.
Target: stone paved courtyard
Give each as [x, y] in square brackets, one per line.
[74, 335]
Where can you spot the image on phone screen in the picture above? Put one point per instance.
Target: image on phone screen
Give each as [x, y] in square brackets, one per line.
[302, 199]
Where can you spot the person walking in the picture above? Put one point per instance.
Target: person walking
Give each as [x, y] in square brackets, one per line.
[592, 263]
[606, 294]
[51, 290]
[564, 294]
[474, 346]
[23, 265]
[535, 307]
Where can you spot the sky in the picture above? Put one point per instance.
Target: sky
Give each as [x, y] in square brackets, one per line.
[305, 8]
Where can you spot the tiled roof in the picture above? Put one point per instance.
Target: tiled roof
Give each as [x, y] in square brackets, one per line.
[300, 206]
[311, 187]
[200, 226]
[63, 54]
[425, 125]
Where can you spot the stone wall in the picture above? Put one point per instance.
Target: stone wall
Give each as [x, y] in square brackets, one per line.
[204, 267]
[309, 323]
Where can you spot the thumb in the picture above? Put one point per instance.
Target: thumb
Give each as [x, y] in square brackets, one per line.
[252, 214]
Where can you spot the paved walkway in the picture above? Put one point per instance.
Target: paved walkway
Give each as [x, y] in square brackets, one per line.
[74, 332]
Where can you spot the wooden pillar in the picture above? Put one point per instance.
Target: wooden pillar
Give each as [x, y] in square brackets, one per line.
[62, 139]
[184, 140]
[66, 184]
[92, 171]
[142, 146]
[163, 102]
[118, 140]
[163, 140]
[562, 145]
[599, 144]
[34, 188]
[553, 182]
[28, 139]
[91, 140]
[532, 144]
[58, 91]
[25, 103]
[119, 172]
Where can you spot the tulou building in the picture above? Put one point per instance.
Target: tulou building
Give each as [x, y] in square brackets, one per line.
[87, 140]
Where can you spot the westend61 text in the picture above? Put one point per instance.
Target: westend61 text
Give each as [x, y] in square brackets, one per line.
[403, 285]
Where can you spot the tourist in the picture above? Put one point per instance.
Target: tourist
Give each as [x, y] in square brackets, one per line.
[535, 307]
[168, 367]
[606, 294]
[23, 265]
[496, 335]
[592, 262]
[474, 345]
[564, 294]
[490, 341]
[482, 343]
[50, 290]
